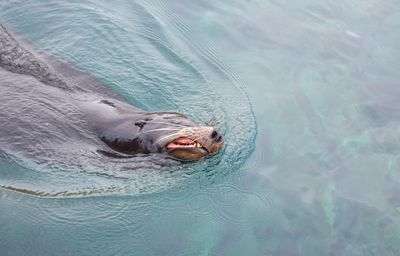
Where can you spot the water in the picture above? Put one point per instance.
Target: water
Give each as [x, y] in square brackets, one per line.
[306, 94]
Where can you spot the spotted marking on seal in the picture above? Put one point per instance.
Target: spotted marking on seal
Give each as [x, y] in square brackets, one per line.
[108, 103]
[140, 125]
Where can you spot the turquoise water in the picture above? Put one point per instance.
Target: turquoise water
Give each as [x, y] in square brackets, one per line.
[305, 92]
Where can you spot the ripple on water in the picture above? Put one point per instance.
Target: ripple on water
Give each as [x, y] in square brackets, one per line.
[145, 53]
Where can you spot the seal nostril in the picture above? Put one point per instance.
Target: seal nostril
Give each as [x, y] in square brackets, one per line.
[219, 139]
[214, 134]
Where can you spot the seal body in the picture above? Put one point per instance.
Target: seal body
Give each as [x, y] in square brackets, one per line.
[64, 111]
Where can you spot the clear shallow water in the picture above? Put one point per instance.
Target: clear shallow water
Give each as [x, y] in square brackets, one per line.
[321, 79]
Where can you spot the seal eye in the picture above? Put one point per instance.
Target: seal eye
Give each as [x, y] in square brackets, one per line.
[214, 134]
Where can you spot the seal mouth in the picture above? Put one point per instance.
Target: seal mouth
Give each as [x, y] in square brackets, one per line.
[182, 143]
[194, 144]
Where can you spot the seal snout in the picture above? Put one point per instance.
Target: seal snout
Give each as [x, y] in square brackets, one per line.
[216, 136]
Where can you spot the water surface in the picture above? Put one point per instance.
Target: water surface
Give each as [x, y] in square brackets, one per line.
[305, 92]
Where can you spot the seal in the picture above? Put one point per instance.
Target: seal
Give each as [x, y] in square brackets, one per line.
[131, 131]
[54, 114]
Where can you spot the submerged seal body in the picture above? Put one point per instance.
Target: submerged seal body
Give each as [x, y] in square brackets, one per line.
[128, 130]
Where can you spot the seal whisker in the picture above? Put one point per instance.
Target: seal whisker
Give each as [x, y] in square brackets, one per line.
[167, 136]
[197, 137]
[161, 129]
[179, 125]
